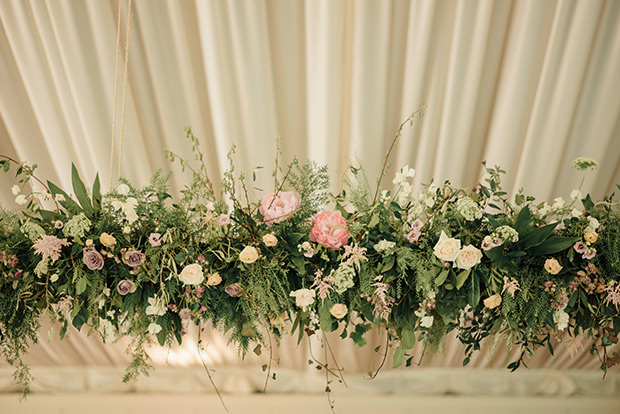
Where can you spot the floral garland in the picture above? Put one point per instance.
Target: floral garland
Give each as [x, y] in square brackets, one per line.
[135, 263]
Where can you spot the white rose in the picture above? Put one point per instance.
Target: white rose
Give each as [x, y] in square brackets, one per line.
[561, 319]
[214, 279]
[468, 257]
[154, 328]
[339, 310]
[192, 274]
[122, 189]
[15, 189]
[270, 240]
[447, 248]
[303, 297]
[248, 255]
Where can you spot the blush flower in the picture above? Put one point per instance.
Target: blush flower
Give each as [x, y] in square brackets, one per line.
[580, 247]
[155, 239]
[552, 266]
[329, 229]
[49, 247]
[276, 208]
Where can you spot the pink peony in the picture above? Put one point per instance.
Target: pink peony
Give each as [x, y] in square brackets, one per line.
[278, 208]
[329, 229]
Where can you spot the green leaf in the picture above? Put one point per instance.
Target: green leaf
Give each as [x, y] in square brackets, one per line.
[535, 237]
[408, 338]
[80, 286]
[373, 221]
[325, 318]
[180, 257]
[294, 238]
[48, 215]
[399, 357]
[523, 220]
[587, 203]
[6, 166]
[553, 245]
[441, 277]
[299, 264]
[68, 202]
[96, 194]
[473, 294]
[462, 277]
[80, 190]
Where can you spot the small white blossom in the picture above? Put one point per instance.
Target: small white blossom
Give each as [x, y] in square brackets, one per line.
[558, 204]
[122, 189]
[154, 328]
[20, 199]
[15, 189]
[575, 194]
[384, 246]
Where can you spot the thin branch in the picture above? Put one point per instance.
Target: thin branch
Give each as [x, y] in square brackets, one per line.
[387, 156]
[31, 174]
[387, 343]
[204, 364]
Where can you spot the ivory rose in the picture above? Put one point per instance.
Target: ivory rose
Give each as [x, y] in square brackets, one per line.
[248, 255]
[447, 248]
[277, 208]
[493, 302]
[270, 240]
[303, 297]
[468, 257]
[192, 274]
[552, 266]
[339, 310]
[107, 240]
[329, 229]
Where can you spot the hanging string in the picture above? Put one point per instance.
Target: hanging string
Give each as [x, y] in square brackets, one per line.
[118, 50]
[120, 154]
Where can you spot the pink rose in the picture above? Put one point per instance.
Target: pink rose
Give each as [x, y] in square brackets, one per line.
[278, 208]
[329, 229]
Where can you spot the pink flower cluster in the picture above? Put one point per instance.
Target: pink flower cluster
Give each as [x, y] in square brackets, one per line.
[380, 299]
[586, 252]
[416, 231]
[322, 284]
[278, 207]
[49, 247]
[329, 229]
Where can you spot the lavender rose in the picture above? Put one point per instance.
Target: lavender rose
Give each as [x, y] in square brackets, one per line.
[234, 290]
[124, 287]
[92, 258]
[133, 258]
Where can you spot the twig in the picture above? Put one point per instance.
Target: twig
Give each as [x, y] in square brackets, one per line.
[204, 364]
[328, 390]
[387, 156]
[335, 361]
[31, 174]
[387, 343]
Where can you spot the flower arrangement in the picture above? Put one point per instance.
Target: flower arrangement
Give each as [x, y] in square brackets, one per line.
[135, 263]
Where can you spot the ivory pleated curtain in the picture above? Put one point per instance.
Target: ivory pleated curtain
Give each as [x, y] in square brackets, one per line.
[528, 85]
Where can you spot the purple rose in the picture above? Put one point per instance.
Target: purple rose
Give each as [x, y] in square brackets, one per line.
[133, 258]
[92, 258]
[155, 239]
[234, 290]
[124, 287]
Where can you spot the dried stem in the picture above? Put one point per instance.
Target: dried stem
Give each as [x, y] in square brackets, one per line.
[204, 364]
[387, 343]
[420, 111]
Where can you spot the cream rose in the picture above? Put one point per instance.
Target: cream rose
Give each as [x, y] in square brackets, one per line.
[192, 274]
[339, 310]
[107, 240]
[552, 266]
[447, 248]
[493, 302]
[303, 297]
[214, 279]
[468, 257]
[248, 255]
[270, 240]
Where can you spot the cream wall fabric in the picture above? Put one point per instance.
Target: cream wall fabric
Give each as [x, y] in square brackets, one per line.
[528, 85]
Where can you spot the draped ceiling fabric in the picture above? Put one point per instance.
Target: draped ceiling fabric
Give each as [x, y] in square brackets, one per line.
[528, 85]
